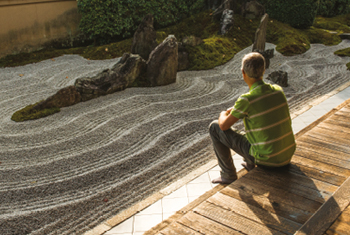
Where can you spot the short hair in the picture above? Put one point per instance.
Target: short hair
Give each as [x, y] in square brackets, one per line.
[253, 64]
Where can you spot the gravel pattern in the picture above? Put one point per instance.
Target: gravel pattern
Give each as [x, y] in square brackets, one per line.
[66, 173]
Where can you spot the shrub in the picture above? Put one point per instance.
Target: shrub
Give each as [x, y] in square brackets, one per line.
[330, 8]
[297, 13]
[110, 19]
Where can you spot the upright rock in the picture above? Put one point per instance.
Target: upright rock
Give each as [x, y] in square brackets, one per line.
[121, 76]
[220, 6]
[145, 36]
[252, 10]
[163, 63]
[226, 21]
[63, 98]
[268, 54]
[279, 77]
[260, 34]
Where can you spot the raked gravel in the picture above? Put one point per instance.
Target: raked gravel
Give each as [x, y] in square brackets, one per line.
[66, 173]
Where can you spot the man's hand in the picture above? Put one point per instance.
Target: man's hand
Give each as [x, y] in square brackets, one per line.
[226, 120]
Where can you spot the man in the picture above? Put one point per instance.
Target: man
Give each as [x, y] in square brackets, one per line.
[269, 139]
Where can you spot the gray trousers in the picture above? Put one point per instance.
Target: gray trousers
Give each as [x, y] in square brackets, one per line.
[223, 141]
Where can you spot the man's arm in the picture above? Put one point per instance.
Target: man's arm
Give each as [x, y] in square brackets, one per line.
[226, 120]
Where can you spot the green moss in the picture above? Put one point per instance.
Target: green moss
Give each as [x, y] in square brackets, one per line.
[316, 35]
[344, 52]
[340, 24]
[288, 40]
[109, 51]
[28, 113]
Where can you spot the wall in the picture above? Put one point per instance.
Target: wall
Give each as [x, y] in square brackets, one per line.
[26, 25]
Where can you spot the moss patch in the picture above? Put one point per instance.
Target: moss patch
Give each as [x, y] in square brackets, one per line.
[109, 51]
[316, 35]
[344, 52]
[28, 113]
[340, 24]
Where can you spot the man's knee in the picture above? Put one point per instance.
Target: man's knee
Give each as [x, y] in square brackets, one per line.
[213, 126]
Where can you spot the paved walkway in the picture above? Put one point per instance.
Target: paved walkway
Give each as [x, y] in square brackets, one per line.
[168, 205]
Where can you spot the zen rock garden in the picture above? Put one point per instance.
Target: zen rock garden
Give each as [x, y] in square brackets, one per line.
[149, 64]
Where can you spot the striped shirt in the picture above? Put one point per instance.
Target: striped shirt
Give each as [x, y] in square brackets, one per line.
[267, 122]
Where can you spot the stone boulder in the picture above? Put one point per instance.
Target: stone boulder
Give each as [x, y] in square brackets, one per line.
[145, 36]
[63, 98]
[279, 77]
[226, 21]
[220, 6]
[252, 10]
[163, 63]
[122, 75]
[260, 34]
[268, 54]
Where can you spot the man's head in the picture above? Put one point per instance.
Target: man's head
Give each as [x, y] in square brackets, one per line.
[253, 65]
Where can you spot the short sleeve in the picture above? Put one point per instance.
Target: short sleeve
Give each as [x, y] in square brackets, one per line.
[240, 110]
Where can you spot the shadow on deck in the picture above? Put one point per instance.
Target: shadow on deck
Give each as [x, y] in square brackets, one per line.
[310, 196]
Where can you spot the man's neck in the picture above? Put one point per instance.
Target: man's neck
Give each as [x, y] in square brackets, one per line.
[251, 82]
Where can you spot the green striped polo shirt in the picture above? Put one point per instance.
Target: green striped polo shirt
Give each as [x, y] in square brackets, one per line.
[267, 122]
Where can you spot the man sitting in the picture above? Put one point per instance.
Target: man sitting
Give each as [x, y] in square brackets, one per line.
[269, 139]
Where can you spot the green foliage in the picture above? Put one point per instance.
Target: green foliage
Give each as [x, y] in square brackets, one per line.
[108, 19]
[28, 113]
[296, 13]
[330, 8]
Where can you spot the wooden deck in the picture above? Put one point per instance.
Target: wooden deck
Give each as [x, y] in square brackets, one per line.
[311, 196]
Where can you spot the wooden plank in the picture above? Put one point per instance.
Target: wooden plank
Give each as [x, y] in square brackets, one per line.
[290, 185]
[342, 224]
[324, 145]
[321, 150]
[339, 229]
[276, 195]
[337, 122]
[317, 174]
[328, 212]
[187, 208]
[263, 202]
[176, 229]
[329, 141]
[254, 213]
[302, 180]
[233, 220]
[205, 226]
[300, 160]
[334, 127]
[321, 157]
[343, 115]
[335, 138]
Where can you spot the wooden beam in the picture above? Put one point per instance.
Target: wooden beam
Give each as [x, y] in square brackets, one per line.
[328, 212]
